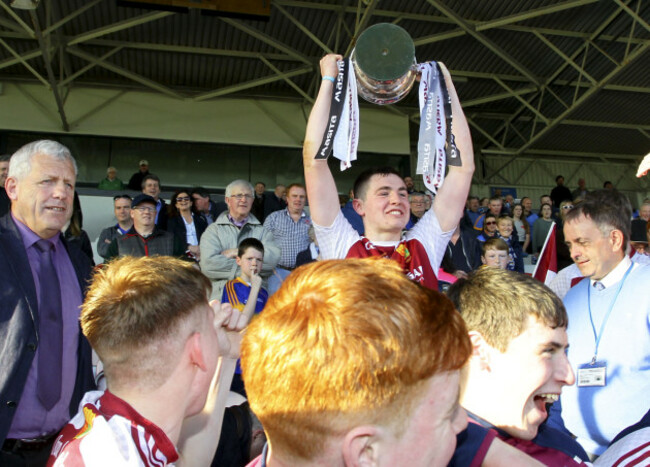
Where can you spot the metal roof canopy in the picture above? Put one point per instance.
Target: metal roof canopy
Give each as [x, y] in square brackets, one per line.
[553, 78]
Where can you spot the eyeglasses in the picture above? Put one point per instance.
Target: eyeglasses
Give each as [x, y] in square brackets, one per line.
[241, 196]
[182, 198]
[490, 223]
[567, 206]
[417, 202]
[144, 209]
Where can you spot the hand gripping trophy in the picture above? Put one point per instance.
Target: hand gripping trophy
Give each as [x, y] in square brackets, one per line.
[385, 69]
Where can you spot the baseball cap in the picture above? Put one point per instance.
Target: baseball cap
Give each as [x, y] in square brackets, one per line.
[142, 199]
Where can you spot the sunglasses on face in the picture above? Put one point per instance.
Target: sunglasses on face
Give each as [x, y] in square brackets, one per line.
[490, 223]
[180, 199]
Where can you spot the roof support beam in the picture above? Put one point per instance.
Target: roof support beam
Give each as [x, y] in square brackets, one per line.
[303, 28]
[288, 81]
[17, 19]
[253, 83]
[587, 94]
[521, 99]
[266, 39]
[21, 60]
[530, 14]
[71, 16]
[565, 57]
[127, 74]
[552, 152]
[561, 68]
[498, 97]
[469, 29]
[484, 133]
[119, 26]
[50, 72]
[361, 24]
[91, 65]
[633, 14]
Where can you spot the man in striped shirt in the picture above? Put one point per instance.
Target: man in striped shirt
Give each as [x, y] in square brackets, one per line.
[290, 228]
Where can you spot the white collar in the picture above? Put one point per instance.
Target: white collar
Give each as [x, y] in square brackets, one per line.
[615, 274]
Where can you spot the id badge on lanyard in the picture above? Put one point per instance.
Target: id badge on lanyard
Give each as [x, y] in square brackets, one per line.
[594, 373]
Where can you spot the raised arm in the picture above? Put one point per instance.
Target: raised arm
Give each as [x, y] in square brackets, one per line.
[321, 189]
[450, 201]
[200, 433]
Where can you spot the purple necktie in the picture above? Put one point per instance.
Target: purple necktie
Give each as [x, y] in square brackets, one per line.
[50, 350]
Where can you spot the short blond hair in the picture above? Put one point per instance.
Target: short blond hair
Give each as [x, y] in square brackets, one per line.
[137, 314]
[343, 343]
[497, 303]
[494, 244]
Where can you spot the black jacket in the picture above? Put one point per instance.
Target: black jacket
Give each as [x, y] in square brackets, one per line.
[176, 225]
[19, 321]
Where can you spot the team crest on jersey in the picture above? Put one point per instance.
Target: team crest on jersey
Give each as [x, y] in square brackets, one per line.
[89, 417]
[403, 251]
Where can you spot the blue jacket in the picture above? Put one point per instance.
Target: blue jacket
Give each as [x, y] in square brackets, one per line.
[19, 323]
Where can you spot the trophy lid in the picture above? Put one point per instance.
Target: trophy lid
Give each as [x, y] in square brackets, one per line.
[384, 52]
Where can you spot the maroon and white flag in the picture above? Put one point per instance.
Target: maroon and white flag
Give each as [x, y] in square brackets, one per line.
[546, 267]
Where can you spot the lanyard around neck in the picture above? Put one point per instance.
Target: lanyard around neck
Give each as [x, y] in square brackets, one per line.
[599, 336]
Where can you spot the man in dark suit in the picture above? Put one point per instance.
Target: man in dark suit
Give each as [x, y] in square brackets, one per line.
[4, 199]
[46, 362]
[209, 209]
[275, 201]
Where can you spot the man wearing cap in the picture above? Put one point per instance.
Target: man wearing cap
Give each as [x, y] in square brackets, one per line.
[144, 238]
[135, 183]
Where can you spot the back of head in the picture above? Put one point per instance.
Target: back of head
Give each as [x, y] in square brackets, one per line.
[361, 183]
[497, 303]
[137, 315]
[608, 209]
[345, 343]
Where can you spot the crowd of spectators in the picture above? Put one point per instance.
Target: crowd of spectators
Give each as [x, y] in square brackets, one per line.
[354, 357]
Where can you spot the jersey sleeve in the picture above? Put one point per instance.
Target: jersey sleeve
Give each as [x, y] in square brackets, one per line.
[429, 233]
[336, 240]
[472, 445]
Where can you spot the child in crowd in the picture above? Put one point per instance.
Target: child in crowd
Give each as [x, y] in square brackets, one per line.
[505, 229]
[495, 253]
[245, 293]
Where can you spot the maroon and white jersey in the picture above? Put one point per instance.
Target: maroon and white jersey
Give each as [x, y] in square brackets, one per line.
[108, 431]
[420, 251]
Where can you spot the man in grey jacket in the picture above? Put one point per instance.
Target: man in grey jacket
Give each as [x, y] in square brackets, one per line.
[220, 240]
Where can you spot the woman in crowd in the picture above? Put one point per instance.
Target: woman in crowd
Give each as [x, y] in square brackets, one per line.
[541, 227]
[186, 223]
[522, 226]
